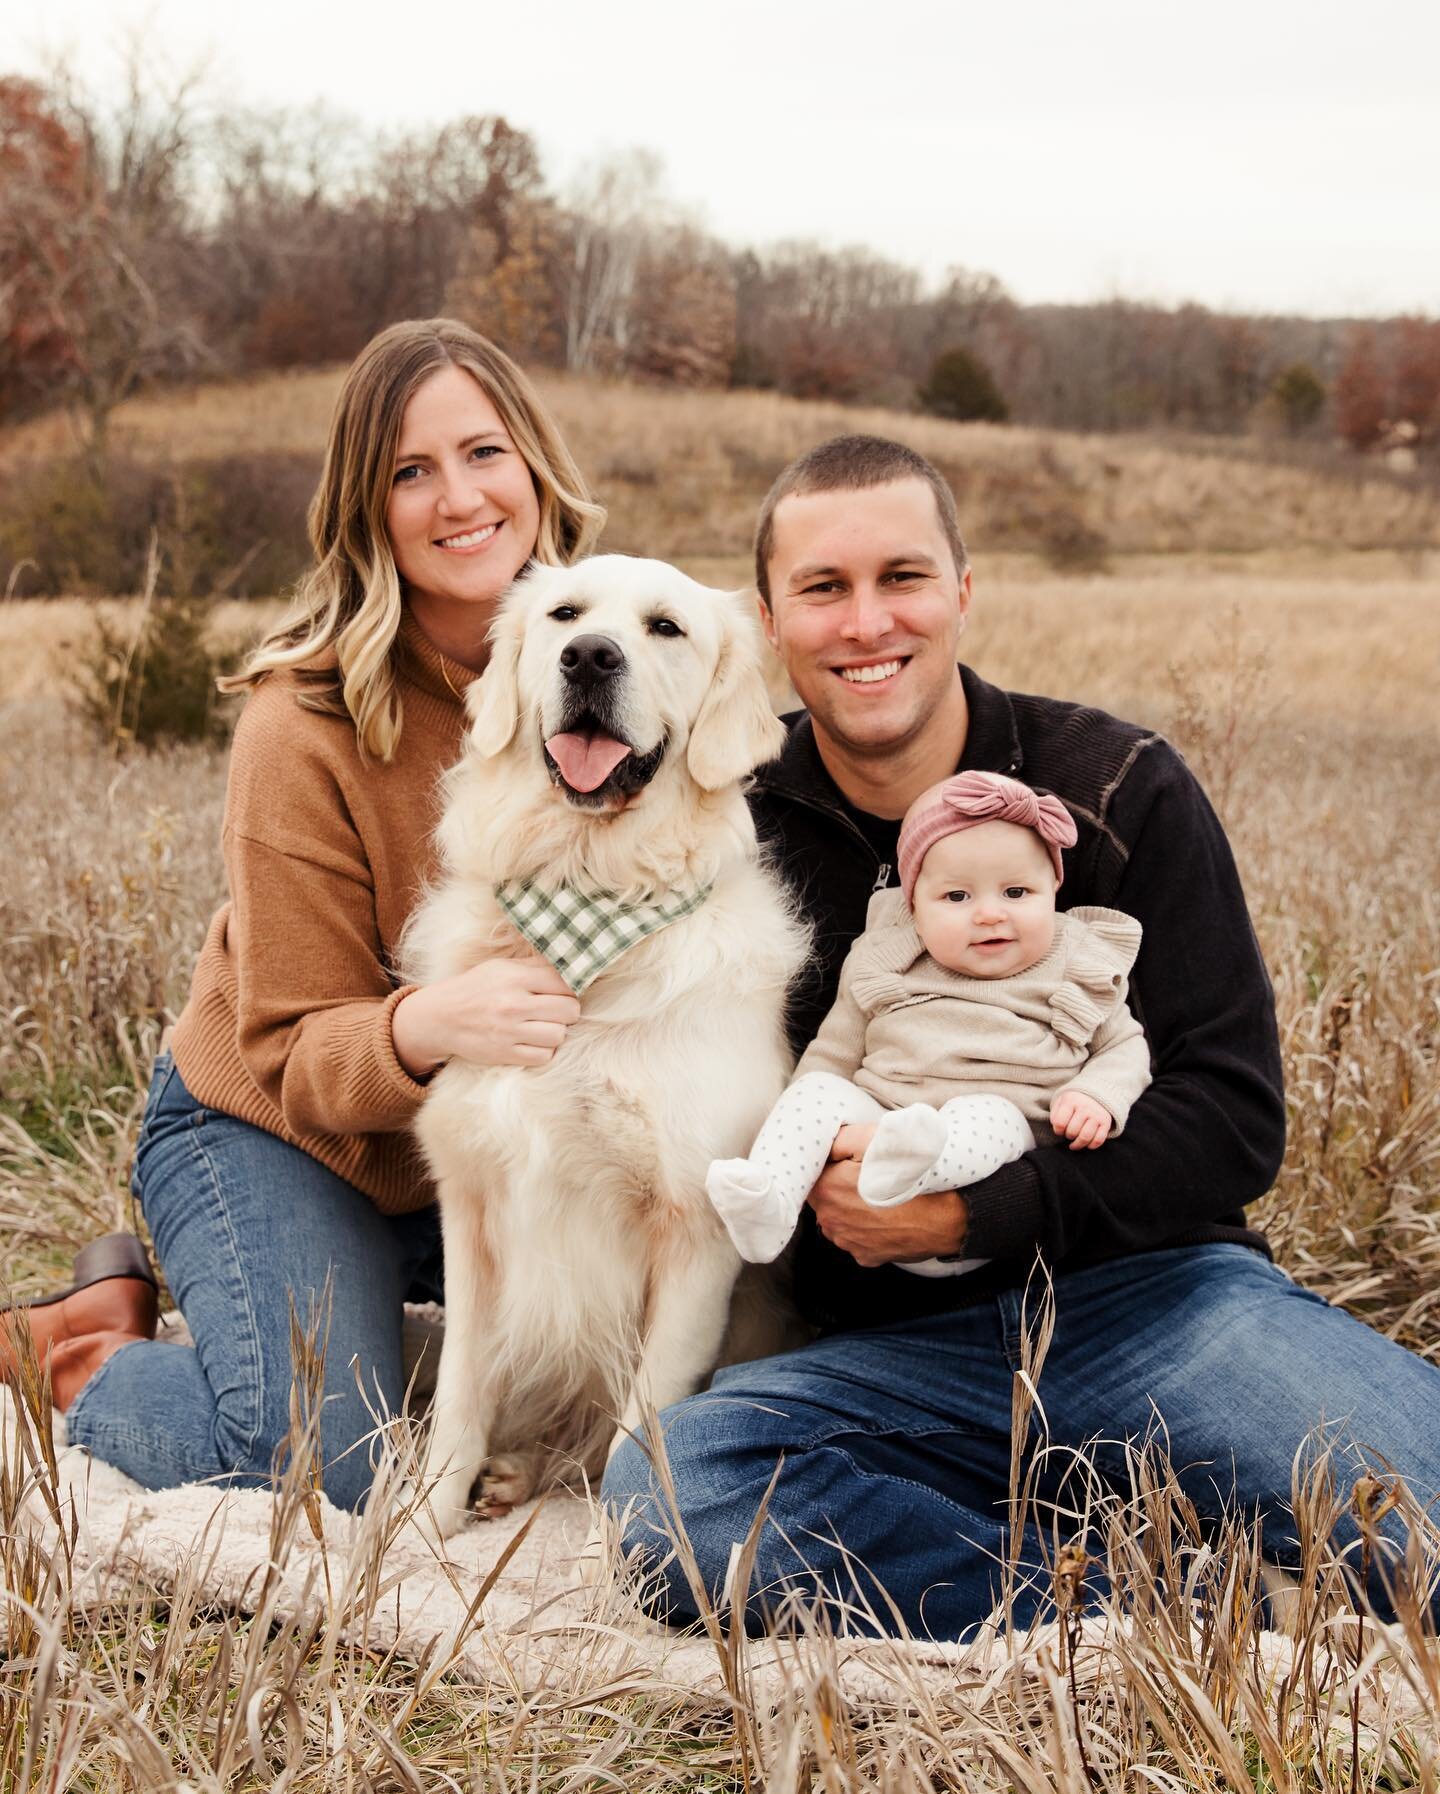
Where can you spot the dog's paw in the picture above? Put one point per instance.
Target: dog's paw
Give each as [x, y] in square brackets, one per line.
[420, 1532]
[506, 1480]
[431, 1519]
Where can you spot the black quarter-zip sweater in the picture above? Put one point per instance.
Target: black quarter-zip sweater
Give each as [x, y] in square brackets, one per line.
[1204, 1139]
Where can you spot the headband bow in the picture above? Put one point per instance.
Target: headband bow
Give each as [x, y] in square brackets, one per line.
[967, 800]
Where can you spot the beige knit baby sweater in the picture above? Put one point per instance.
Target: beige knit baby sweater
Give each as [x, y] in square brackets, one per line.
[908, 1030]
[288, 1022]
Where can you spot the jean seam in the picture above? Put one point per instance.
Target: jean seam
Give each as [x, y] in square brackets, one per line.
[911, 1482]
[243, 1287]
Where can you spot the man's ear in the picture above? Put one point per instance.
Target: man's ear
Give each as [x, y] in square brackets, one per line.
[493, 699]
[766, 615]
[736, 730]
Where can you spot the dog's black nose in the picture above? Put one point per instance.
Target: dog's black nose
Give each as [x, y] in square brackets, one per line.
[589, 658]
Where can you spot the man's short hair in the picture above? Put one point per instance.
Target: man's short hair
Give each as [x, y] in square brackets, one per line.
[850, 464]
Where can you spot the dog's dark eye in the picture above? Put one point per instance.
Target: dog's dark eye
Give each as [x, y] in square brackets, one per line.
[564, 613]
[664, 626]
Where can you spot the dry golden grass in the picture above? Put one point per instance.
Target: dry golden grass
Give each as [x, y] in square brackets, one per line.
[1348, 645]
[682, 473]
[1305, 703]
[1168, 1681]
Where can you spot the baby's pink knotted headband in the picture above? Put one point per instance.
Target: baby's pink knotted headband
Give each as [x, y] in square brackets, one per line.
[968, 799]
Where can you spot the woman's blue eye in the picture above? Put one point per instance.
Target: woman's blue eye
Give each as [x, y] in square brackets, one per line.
[402, 473]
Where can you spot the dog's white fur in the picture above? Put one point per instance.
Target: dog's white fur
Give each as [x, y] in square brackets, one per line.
[585, 1270]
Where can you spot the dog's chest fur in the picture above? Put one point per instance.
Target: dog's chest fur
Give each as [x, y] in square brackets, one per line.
[673, 1062]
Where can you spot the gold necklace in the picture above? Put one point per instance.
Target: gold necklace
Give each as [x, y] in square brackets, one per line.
[459, 696]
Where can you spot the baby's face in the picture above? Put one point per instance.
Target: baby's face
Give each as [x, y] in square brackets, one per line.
[985, 900]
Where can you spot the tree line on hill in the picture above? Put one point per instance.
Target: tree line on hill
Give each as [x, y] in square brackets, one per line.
[148, 237]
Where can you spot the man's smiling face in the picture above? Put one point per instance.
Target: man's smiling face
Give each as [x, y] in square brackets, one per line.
[866, 609]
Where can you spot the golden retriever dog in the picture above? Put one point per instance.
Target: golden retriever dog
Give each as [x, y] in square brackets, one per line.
[585, 1269]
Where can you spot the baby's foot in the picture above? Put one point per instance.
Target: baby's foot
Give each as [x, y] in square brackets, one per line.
[906, 1145]
[746, 1200]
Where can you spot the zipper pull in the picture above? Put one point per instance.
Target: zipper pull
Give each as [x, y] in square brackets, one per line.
[882, 878]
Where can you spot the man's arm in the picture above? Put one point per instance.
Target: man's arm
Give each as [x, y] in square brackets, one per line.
[1209, 1133]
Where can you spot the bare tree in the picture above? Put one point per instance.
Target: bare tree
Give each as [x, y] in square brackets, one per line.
[824, 323]
[611, 214]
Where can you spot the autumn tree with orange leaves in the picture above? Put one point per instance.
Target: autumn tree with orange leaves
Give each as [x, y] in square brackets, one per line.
[41, 180]
[95, 245]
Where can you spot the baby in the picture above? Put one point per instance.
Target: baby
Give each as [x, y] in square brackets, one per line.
[967, 1011]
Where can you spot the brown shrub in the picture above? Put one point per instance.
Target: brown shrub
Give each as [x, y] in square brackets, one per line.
[229, 525]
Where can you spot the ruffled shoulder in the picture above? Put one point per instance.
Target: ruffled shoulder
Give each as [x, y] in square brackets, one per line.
[1102, 944]
[888, 948]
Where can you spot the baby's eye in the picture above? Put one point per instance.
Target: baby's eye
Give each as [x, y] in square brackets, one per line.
[564, 613]
[1015, 892]
[957, 896]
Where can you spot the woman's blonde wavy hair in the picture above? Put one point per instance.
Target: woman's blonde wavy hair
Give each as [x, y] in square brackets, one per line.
[350, 603]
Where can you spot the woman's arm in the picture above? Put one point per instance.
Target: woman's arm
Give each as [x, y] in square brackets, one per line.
[316, 996]
[501, 1012]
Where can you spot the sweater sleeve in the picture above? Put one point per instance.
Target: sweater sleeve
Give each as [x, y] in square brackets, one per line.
[315, 995]
[839, 1047]
[1118, 1068]
[1208, 1134]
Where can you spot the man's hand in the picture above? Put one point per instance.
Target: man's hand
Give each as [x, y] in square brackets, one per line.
[927, 1227]
[1080, 1120]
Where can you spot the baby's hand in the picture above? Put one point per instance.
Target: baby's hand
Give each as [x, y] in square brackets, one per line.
[1080, 1120]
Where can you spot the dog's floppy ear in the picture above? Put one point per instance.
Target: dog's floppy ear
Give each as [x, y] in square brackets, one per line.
[736, 730]
[493, 699]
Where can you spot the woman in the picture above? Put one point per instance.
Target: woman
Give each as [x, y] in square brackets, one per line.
[275, 1160]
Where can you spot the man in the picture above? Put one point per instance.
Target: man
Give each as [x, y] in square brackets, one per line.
[894, 1424]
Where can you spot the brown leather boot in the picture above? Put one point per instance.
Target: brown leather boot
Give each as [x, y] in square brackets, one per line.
[113, 1292]
[74, 1361]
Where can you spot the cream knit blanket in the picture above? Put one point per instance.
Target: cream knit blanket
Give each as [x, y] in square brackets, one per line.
[541, 1626]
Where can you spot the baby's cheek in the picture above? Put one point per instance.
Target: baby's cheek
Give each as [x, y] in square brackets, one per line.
[942, 930]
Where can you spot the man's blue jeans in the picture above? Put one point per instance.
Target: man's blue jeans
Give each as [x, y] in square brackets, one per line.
[897, 1441]
[243, 1223]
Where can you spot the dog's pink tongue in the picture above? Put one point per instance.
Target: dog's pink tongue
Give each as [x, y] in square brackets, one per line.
[586, 761]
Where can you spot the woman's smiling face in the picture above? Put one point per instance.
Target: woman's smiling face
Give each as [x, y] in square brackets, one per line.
[463, 514]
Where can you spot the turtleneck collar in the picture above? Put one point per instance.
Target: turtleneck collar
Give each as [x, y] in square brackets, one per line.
[427, 671]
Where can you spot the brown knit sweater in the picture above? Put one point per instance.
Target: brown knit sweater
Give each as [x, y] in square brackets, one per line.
[288, 1021]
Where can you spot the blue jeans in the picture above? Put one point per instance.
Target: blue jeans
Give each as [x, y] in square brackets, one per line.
[243, 1223]
[897, 1442]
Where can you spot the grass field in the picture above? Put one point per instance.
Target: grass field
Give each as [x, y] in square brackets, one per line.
[682, 474]
[1300, 683]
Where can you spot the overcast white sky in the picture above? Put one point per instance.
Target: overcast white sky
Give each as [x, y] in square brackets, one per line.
[1253, 154]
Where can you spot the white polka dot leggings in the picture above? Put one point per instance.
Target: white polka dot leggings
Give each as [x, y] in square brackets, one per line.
[916, 1149]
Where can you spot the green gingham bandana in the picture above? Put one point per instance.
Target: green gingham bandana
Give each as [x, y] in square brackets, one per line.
[582, 932]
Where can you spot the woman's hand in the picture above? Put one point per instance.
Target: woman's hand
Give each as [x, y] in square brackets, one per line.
[501, 1012]
[926, 1227]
